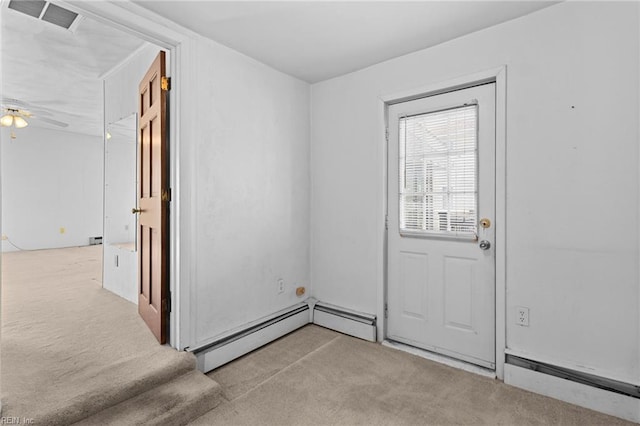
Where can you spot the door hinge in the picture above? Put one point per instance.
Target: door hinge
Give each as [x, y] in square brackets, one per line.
[166, 195]
[166, 303]
[386, 222]
[165, 83]
[386, 134]
[386, 310]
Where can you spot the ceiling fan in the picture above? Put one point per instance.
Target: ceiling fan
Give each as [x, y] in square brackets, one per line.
[17, 114]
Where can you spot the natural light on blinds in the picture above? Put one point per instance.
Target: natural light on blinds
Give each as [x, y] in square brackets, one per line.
[438, 172]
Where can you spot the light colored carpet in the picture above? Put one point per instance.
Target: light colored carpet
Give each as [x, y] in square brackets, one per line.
[70, 348]
[316, 377]
[174, 403]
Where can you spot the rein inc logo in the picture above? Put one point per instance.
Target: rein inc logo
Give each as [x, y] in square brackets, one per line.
[16, 421]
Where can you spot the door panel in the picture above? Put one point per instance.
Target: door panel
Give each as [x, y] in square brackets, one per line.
[458, 292]
[413, 285]
[441, 172]
[153, 222]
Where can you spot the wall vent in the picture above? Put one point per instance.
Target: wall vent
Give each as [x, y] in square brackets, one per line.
[45, 11]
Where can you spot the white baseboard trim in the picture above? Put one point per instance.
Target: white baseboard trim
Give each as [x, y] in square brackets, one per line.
[245, 340]
[590, 397]
[356, 324]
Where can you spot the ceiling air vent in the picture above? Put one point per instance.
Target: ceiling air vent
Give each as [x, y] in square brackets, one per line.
[31, 8]
[45, 11]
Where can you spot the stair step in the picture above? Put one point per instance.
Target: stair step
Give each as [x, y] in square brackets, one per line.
[108, 386]
[175, 403]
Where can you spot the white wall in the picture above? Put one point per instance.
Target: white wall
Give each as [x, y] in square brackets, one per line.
[120, 108]
[121, 84]
[120, 256]
[249, 164]
[51, 179]
[572, 179]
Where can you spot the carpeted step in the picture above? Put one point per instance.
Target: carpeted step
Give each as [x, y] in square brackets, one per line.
[100, 388]
[174, 403]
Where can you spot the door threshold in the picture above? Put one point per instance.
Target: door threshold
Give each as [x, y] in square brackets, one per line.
[442, 359]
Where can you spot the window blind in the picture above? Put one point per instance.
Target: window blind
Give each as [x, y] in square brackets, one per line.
[438, 172]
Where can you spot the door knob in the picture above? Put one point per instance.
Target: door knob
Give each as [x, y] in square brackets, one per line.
[485, 245]
[485, 223]
[134, 210]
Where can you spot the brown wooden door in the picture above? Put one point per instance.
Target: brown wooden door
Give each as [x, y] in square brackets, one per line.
[153, 201]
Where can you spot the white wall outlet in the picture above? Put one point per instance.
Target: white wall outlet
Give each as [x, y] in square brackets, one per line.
[4, 237]
[280, 286]
[522, 316]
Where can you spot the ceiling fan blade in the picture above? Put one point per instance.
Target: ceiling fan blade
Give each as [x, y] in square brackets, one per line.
[12, 103]
[51, 121]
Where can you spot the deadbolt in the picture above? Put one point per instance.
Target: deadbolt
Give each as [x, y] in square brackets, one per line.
[485, 245]
[485, 223]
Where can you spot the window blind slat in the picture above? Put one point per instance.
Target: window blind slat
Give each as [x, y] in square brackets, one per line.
[438, 170]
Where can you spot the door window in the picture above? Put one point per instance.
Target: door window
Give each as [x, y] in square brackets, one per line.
[438, 172]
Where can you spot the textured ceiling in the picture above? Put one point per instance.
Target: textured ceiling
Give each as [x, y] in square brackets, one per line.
[55, 73]
[318, 40]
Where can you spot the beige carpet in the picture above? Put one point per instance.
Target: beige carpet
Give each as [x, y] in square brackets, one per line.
[69, 347]
[315, 377]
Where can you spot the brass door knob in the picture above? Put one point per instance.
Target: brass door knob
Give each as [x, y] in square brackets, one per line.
[485, 223]
[134, 210]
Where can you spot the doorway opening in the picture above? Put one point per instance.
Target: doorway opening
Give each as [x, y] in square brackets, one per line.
[444, 263]
[60, 326]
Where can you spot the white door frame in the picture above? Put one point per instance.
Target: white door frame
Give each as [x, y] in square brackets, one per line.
[499, 76]
[146, 25]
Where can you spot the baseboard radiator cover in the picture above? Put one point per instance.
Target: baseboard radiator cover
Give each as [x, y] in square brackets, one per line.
[241, 341]
[356, 324]
[576, 376]
[586, 390]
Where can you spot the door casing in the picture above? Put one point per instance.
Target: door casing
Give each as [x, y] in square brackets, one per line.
[497, 75]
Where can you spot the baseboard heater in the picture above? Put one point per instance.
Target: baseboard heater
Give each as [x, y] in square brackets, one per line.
[576, 376]
[233, 345]
[346, 321]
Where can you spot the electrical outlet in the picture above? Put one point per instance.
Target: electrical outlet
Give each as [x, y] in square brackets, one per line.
[4, 237]
[522, 316]
[280, 286]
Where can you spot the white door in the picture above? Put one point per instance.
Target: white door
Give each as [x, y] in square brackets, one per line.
[441, 262]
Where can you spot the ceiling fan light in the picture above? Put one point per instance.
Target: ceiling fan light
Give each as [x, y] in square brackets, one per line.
[20, 122]
[6, 120]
